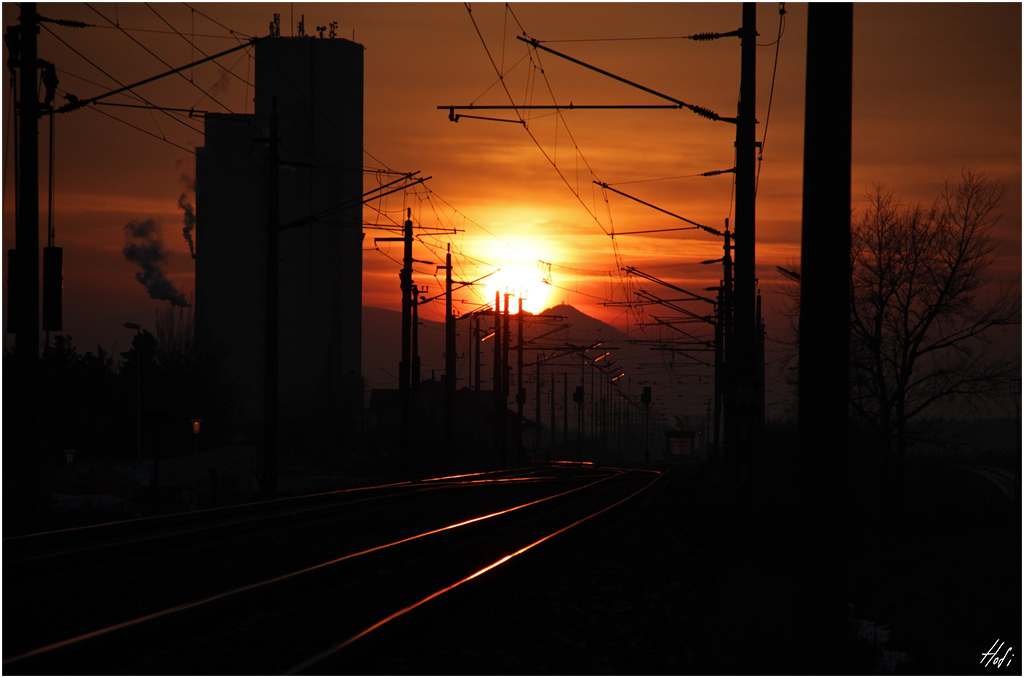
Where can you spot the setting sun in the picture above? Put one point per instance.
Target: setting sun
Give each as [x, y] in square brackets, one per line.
[520, 281]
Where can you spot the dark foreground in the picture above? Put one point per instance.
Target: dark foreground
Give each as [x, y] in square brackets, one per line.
[667, 588]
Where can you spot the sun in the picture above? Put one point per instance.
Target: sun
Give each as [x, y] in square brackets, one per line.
[519, 281]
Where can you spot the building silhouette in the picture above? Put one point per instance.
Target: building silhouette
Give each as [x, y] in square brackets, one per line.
[315, 89]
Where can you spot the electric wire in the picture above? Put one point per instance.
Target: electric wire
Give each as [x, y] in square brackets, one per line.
[429, 194]
[229, 71]
[159, 32]
[161, 60]
[208, 18]
[771, 93]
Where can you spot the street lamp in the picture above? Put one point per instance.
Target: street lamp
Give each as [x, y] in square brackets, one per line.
[138, 391]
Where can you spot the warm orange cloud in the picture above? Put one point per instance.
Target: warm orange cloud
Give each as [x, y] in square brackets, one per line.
[937, 87]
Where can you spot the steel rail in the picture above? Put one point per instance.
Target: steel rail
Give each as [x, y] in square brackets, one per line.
[11, 664]
[311, 662]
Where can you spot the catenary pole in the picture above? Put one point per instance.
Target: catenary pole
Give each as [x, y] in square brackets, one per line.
[449, 358]
[498, 401]
[405, 364]
[21, 457]
[823, 382]
[742, 354]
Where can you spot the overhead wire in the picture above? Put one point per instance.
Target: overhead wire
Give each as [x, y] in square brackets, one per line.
[619, 261]
[159, 58]
[771, 92]
[208, 18]
[192, 44]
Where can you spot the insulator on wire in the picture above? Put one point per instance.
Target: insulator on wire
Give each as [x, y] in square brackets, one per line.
[705, 36]
[715, 173]
[704, 113]
[68, 23]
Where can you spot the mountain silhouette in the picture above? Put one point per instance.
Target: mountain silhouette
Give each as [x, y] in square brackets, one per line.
[382, 341]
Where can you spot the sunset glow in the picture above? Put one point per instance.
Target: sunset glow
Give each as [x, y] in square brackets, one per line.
[520, 281]
[525, 197]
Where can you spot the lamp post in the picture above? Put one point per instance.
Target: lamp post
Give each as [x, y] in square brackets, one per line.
[138, 394]
[211, 470]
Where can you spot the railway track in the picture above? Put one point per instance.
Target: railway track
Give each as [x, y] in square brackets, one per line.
[299, 618]
[67, 550]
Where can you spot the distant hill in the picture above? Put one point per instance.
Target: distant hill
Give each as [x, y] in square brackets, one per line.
[382, 340]
[681, 384]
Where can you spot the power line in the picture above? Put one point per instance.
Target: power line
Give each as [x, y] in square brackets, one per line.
[208, 18]
[158, 58]
[771, 92]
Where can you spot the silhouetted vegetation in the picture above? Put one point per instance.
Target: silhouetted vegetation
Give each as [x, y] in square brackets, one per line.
[90, 402]
[922, 316]
[922, 310]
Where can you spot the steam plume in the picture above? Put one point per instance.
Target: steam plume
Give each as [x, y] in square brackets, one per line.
[144, 247]
[190, 222]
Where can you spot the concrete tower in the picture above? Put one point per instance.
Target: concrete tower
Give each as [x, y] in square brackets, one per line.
[316, 88]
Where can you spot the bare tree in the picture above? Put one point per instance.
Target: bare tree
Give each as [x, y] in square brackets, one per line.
[922, 309]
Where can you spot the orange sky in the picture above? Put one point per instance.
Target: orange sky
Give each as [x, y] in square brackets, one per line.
[937, 87]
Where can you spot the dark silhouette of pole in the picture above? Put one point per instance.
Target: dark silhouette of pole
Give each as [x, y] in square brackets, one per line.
[477, 340]
[715, 450]
[742, 355]
[405, 363]
[759, 369]
[506, 374]
[726, 377]
[271, 337]
[565, 409]
[579, 408]
[823, 398]
[449, 357]
[537, 426]
[20, 459]
[554, 425]
[498, 400]
[415, 340]
[520, 389]
[138, 388]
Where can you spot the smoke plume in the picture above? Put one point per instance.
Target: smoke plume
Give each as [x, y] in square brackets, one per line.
[190, 222]
[144, 247]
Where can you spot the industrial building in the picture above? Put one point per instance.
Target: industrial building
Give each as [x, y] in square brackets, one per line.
[314, 87]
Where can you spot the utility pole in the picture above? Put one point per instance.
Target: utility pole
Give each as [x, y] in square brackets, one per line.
[520, 389]
[565, 409]
[743, 305]
[554, 426]
[449, 357]
[715, 449]
[537, 426]
[405, 364]
[499, 402]
[476, 339]
[271, 329]
[23, 294]
[823, 385]
[579, 408]
[645, 398]
[727, 452]
[506, 375]
[415, 378]
[405, 360]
